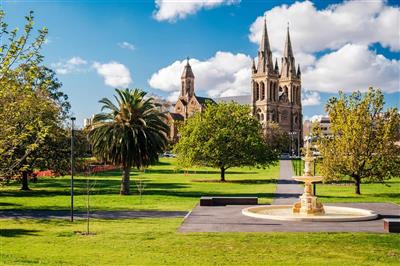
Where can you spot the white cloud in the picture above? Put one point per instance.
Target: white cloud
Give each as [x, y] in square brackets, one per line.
[224, 74]
[72, 65]
[172, 10]
[314, 117]
[353, 67]
[76, 60]
[115, 74]
[313, 30]
[310, 98]
[126, 45]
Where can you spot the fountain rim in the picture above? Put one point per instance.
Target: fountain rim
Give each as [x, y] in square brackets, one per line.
[365, 215]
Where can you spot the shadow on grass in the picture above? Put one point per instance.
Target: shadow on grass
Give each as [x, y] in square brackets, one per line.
[17, 232]
[4, 204]
[102, 187]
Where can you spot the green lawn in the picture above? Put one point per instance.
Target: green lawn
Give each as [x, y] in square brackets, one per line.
[166, 189]
[344, 191]
[156, 242]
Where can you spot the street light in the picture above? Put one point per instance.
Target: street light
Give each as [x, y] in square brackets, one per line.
[72, 168]
[292, 133]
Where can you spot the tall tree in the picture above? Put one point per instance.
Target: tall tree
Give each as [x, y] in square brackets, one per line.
[362, 145]
[224, 136]
[132, 133]
[32, 108]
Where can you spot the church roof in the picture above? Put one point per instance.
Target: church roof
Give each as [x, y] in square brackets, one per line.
[176, 116]
[204, 100]
[242, 99]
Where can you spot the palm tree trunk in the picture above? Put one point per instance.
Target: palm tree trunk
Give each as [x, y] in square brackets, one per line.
[125, 183]
[24, 181]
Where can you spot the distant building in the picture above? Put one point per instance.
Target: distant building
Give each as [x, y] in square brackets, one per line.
[187, 104]
[322, 122]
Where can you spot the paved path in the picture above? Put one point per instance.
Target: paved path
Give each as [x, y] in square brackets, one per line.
[230, 219]
[63, 214]
[288, 190]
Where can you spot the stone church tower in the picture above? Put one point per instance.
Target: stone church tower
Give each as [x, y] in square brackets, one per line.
[276, 95]
[187, 104]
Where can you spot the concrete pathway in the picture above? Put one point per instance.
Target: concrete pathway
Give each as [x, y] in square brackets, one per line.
[64, 214]
[288, 190]
[230, 219]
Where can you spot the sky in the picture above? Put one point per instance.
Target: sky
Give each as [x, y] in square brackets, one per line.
[99, 45]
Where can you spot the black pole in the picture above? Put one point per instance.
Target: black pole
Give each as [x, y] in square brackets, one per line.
[314, 185]
[72, 168]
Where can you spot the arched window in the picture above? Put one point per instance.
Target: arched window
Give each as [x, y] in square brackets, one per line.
[298, 95]
[262, 117]
[257, 91]
[262, 88]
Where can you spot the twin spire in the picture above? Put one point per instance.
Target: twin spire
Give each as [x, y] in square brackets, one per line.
[265, 64]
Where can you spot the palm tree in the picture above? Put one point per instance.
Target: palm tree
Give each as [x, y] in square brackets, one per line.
[131, 133]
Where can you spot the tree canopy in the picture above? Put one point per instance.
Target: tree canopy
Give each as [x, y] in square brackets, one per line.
[32, 108]
[362, 144]
[224, 136]
[132, 133]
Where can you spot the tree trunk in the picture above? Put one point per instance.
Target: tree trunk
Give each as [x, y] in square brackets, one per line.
[125, 183]
[222, 174]
[357, 185]
[24, 185]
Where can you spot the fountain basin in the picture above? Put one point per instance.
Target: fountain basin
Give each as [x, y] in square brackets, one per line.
[308, 179]
[332, 214]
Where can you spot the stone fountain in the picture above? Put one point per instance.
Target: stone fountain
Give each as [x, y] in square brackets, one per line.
[308, 204]
[308, 208]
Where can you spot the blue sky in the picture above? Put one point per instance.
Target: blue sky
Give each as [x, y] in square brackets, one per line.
[97, 45]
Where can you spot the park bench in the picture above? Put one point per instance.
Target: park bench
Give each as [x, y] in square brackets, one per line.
[222, 201]
[391, 225]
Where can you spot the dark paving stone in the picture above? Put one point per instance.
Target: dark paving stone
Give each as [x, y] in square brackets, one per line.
[287, 189]
[63, 214]
[230, 219]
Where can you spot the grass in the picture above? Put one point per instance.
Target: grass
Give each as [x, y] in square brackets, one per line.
[156, 242]
[165, 189]
[345, 191]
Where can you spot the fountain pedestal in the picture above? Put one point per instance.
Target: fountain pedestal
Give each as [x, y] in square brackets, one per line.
[308, 203]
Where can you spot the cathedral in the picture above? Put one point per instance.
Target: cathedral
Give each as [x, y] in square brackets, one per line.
[276, 94]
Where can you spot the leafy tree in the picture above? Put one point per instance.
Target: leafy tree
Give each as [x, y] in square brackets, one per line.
[224, 136]
[277, 138]
[131, 133]
[32, 108]
[362, 145]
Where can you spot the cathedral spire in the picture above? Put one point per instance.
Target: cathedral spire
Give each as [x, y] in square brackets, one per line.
[276, 65]
[253, 67]
[288, 68]
[288, 45]
[298, 71]
[265, 64]
[264, 45]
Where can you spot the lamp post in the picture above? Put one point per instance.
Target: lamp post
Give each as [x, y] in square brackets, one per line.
[72, 168]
